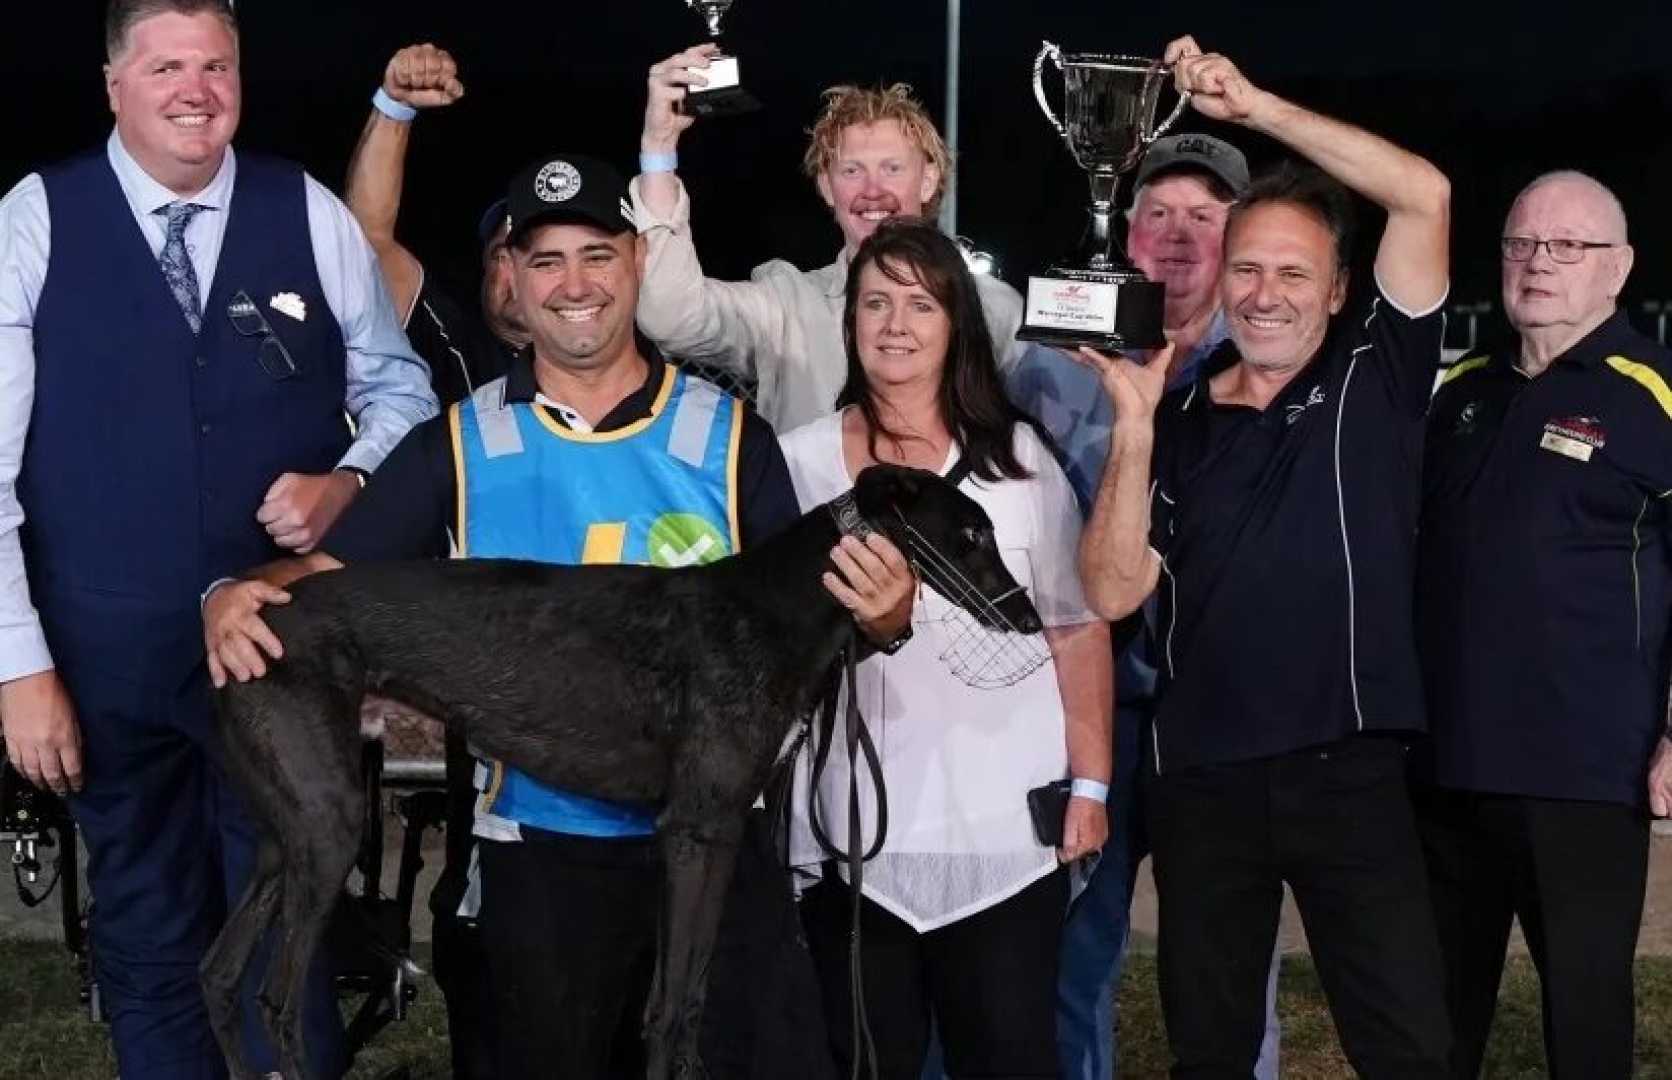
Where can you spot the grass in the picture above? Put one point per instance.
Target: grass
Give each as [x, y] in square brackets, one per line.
[44, 1031]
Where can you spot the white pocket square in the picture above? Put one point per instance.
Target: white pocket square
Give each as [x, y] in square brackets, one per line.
[290, 304]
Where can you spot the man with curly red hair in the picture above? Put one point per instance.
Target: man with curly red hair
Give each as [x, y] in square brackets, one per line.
[874, 154]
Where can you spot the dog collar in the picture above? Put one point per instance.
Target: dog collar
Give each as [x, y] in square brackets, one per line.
[848, 519]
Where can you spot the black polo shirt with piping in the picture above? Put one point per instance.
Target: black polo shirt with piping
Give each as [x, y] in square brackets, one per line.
[1288, 544]
[459, 348]
[1544, 592]
[408, 505]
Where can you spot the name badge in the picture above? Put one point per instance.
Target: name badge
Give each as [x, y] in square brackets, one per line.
[1565, 446]
[1577, 437]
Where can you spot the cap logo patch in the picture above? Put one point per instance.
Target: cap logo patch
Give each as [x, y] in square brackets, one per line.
[557, 181]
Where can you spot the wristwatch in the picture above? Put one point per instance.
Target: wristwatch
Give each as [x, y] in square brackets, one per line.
[897, 643]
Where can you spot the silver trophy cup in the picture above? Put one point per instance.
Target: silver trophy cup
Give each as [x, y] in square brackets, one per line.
[1097, 297]
[723, 95]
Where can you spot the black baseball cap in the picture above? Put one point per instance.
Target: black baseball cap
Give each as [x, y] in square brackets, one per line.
[1201, 153]
[569, 187]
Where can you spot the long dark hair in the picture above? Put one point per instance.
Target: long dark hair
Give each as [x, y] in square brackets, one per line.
[971, 396]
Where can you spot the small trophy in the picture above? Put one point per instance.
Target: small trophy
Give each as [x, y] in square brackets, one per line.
[723, 96]
[1097, 297]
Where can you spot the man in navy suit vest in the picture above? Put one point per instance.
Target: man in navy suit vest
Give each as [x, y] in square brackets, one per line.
[181, 331]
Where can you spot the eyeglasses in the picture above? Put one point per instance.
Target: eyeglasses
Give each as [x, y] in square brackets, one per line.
[248, 320]
[1522, 248]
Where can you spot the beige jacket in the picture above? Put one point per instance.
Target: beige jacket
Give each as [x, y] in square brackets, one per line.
[781, 328]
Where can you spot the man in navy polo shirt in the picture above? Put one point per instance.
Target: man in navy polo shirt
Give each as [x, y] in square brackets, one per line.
[1176, 235]
[1278, 517]
[181, 331]
[1543, 600]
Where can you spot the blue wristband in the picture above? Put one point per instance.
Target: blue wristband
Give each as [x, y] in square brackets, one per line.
[394, 110]
[1096, 790]
[668, 162]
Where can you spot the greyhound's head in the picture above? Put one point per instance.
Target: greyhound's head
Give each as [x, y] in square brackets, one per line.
[949, 538]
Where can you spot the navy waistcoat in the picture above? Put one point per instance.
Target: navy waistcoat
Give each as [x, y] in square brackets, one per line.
[149, 448]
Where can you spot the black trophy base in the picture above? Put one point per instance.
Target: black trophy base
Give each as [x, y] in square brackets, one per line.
[724, 101]
[1107, 310]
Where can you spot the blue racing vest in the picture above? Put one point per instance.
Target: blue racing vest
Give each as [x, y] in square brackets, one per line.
[661, 491]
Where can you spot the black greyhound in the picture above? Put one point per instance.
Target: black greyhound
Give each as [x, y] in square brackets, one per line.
[674, 687]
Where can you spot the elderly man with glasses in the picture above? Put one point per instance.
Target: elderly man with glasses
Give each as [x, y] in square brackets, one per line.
[1545, 590]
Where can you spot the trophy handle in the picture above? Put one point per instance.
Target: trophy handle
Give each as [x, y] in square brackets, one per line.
[1161, 71]
[1050, 50]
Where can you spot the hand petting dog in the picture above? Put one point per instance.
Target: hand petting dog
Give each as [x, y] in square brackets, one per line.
[234, 635]
[875, 583]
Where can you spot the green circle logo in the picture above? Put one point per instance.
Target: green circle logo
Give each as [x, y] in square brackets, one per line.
[685, 540]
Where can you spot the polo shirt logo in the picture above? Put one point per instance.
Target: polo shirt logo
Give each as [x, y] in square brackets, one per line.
[1576, 437]
[1314, 397]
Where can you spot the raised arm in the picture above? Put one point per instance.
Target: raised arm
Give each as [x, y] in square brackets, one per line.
[1412, 261]
[722, 323]
[670, 80]
[1118, 568]
[417, 77]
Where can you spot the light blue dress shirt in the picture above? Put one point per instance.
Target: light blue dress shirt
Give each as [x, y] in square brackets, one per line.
[388, 385]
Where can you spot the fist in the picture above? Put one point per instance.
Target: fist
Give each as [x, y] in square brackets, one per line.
[669, 81]
[423, 77]
[1218, 90]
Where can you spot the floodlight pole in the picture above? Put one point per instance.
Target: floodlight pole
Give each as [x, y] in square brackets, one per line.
[949, 201]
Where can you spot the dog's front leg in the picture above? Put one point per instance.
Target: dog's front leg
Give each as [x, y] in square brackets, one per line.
[699, 870]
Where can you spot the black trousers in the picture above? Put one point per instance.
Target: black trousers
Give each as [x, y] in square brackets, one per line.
[1574, 873]
[569, 926]
[989, 982]
[1335, 823]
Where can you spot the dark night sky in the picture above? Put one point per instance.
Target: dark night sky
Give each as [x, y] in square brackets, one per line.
[1492, 92]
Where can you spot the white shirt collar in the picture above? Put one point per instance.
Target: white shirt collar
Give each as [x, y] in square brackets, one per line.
[146, 195]
[575, 420]
[835, 282]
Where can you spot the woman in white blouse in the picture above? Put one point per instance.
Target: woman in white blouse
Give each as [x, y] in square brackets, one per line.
[963, 907]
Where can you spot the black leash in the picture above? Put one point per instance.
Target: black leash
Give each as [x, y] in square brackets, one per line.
[859, 743]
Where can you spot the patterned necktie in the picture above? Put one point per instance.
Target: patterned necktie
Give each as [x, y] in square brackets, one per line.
[177, 263]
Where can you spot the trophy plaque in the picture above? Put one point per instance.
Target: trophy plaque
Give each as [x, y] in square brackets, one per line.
[1096, 296]
[724, 94]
